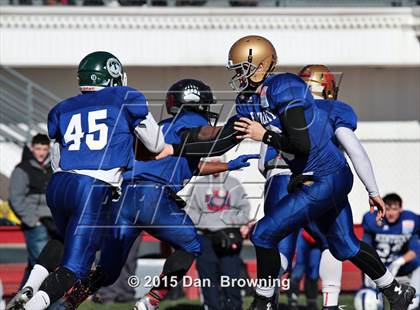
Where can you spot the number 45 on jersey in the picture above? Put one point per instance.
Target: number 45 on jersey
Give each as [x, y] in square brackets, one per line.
[74, 132]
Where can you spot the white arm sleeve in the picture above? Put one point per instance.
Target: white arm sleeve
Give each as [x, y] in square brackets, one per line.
[149, 132]
[55, 157]
[359, 159]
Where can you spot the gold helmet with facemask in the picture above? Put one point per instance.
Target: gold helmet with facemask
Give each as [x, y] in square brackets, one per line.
[321, 80]
[252, 58]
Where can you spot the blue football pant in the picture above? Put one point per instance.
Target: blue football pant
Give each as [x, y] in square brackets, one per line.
[145, 206]
[275, 190]
[324, 203]
[308, 257]
[80, 206]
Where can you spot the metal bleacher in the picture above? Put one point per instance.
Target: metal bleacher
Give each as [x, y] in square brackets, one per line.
[24, 107]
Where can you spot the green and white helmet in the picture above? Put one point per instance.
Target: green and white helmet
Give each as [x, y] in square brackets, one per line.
[99, 70]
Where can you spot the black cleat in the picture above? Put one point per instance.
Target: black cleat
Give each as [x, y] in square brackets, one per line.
[293, 295]
[83, 289]
[311, 305]
[262, 303]
[21, 298]
[399, 296]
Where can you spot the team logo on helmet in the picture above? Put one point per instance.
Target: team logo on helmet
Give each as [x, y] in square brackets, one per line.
[114, 67]
[93, 77]
[191, 94]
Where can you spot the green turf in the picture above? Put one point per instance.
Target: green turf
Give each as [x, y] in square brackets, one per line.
[185, 304]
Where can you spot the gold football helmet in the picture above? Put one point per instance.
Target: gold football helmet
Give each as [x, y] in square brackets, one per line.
[253, 58]
[321, 80]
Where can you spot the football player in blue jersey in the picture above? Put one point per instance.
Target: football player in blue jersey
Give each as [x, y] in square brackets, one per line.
[324, 85]
[157, 182]
[301, 130]
[93, 136]
[149, 201]
[292, 122]
[396, 241]
[277, 173]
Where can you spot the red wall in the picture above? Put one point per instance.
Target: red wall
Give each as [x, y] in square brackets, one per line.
[11, 274]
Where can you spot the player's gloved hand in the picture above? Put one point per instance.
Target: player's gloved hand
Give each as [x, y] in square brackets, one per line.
[379, 204]
[241, 161]
[396, 265]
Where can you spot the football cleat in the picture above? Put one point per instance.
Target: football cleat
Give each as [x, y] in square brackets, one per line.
[399, 296]
[20, 299]
[147, 303]
[83, 289]
[262, 303]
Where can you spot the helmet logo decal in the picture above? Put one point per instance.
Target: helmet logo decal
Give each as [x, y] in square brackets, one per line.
[250, 55]
[114, 67]
[93, 77]
[191, 94]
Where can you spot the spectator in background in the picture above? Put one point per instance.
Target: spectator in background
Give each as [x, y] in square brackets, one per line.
[218, 207]
[396, 239]
[28, 184]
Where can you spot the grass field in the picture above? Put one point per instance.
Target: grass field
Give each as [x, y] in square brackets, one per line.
[185, 304]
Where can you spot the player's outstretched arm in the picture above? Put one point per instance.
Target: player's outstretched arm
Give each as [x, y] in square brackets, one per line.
[206, 141]
[207, 168]
[362, 165]
[150, 134]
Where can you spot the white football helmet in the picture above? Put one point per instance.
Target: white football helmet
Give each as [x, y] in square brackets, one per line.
[366, 299]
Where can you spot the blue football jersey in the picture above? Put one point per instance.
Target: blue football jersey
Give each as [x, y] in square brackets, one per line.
[95, 129]
[173, 171]
[249, 106]
[392, 240]
[340, 113]
[287, 90]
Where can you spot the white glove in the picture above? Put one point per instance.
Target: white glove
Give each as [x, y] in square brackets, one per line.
[396, 265]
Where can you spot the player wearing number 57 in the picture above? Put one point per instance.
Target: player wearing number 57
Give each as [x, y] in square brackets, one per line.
[396, 240]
